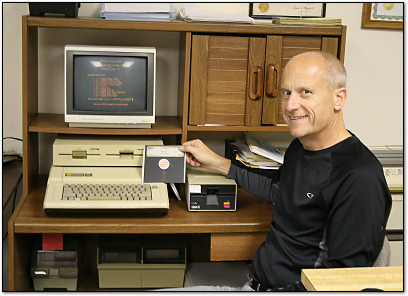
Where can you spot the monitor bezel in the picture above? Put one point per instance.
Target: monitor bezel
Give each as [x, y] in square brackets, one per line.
[110, 116]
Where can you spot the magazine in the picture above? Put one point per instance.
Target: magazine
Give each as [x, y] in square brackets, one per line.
[260, 147]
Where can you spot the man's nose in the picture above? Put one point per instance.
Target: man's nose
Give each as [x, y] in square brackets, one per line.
[292, 103]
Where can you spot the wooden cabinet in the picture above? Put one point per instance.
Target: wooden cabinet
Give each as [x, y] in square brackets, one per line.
[235, 79]
[228, 77]
[219, 70]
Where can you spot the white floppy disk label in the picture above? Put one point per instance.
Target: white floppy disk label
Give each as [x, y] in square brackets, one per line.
[164, 151]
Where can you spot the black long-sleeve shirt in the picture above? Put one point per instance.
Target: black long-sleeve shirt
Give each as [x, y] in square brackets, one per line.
[330, 210]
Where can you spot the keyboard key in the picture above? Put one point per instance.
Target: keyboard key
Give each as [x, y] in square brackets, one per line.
[68, 196]
[92, 197]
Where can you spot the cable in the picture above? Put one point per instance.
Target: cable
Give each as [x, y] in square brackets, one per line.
[12, 138]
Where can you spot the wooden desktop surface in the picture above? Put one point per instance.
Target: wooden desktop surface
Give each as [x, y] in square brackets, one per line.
[389, 278]
[253, 215]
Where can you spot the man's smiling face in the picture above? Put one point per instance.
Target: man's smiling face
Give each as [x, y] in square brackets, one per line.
[307, 103]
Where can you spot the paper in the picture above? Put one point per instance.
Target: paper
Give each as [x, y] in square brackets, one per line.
[263, 148]
[244, 155]
[191, 13]
[173, 186]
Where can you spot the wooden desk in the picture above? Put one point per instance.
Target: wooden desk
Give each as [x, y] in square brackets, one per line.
[222, 235]
[354, 279]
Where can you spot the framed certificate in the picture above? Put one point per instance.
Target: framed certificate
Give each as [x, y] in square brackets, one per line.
[383, 15]
[272, 9]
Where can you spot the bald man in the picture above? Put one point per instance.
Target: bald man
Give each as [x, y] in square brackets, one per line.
[331, 200]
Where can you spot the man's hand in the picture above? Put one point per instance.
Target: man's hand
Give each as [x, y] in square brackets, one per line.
[198, 154]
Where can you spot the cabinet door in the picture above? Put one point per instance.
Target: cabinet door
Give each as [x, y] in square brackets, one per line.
[279, 50]
[218, 80]
[255, 81]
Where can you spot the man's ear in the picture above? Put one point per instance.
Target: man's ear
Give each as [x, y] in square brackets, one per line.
[340, 98]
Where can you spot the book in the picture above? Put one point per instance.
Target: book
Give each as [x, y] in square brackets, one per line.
[137, 7]
[309, 21]
[137, 11]
[260, 147]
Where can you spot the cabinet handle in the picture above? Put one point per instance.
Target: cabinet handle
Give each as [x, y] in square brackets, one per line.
[256, 73]
[271, 90]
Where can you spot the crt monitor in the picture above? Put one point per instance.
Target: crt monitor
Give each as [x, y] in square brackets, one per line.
[110, 86]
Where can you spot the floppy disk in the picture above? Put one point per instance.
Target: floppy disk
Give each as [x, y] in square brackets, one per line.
[164, 164]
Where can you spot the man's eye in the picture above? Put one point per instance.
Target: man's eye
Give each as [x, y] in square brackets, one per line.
[286, 93]
[305, 91]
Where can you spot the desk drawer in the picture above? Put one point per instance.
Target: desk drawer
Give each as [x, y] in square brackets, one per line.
[235, 246]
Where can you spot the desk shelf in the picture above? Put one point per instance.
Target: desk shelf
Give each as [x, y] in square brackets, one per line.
[180, 26]
[54, 123]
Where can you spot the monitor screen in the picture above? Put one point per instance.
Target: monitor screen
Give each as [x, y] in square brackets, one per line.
[109, 86]
[111, 90]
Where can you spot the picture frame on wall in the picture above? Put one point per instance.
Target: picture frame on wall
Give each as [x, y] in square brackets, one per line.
[271, 9]
[383, 15]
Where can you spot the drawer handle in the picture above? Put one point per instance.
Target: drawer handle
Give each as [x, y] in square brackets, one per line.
[256, 74]
[271, 90]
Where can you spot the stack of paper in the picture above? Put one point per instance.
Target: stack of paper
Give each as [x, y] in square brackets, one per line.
[306, 21]
[191, 13]
[255, 153]
[260, 147]
[137, 11]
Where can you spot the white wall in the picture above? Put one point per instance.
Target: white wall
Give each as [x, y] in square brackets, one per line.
[12, 87]
[374, 61]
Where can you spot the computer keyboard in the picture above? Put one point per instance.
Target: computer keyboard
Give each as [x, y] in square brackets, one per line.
[106, 192]
[103, 189]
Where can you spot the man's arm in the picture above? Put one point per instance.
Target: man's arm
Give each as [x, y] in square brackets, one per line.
[356, 221]
[198, 154]
[265, 187]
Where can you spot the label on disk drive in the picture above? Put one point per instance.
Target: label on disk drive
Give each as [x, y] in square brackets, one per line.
[195, 188]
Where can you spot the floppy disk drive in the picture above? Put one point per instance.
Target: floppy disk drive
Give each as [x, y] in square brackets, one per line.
[101, 150]
[210, 191]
